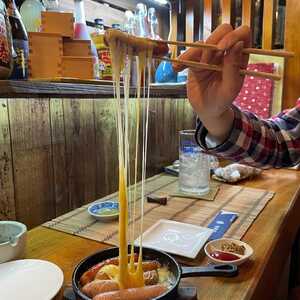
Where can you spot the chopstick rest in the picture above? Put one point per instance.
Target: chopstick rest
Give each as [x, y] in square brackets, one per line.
[162, 200]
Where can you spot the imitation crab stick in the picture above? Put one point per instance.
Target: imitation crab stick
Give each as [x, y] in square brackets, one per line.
[150, 265]
[99, 286]
[143, 293]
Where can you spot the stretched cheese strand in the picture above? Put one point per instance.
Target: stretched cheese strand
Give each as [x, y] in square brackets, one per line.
[118, 61]
[137, 116]
[131, 277]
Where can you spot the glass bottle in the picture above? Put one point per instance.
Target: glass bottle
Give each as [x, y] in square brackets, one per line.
[31, 14]
[141, 17]
[20, 41]
[153, 24]
[129, 25]
[52, 5]
[105, 67]
[6, 62]
[81, 32]
[116, 26]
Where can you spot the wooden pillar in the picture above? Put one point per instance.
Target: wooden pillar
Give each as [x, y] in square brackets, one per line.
[247, 13]
[189, 21]
[226, 11]
[268, 23]
[291, 91]
[207, 18]
[173, 30]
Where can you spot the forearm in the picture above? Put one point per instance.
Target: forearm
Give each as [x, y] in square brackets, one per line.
[262, 143]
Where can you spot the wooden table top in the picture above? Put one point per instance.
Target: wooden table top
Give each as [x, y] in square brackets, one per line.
[271, 236]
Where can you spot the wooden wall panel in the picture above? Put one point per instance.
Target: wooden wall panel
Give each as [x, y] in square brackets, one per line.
[106, 148]
[226, 11]
[291, 91]
[32, 157]
[207, 18]
[58, 141]
[57, 154]
[7, 199]
[189, 20]
[80, 150]
[247, 12]
[173, 30]
[268, 23]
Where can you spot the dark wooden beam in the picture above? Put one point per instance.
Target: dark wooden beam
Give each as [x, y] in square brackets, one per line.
[43, 89]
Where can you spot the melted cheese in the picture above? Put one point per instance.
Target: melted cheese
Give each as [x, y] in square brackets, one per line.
[126, 274]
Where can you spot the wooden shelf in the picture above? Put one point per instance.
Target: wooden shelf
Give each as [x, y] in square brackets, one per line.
[92, 89]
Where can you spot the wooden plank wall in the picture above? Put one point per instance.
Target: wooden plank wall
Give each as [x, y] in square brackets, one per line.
[57, 154]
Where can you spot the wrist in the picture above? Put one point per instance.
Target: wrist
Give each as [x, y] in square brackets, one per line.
[219, 127]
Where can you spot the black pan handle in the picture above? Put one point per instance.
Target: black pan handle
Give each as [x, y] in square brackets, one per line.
[224, 270]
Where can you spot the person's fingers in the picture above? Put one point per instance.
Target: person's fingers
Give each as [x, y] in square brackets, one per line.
[192, 54]
[219, 33]
[196, 54]
[231, 78]
[242, 33]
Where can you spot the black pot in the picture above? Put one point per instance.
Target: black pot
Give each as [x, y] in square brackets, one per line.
[224, 270]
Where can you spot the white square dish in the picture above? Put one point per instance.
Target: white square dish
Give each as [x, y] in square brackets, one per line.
[176, 238]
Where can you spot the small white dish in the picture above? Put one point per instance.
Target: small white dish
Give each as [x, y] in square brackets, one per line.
[176, 238]
[30, 279]
[217, 245]
[12, 240]
[104, 211]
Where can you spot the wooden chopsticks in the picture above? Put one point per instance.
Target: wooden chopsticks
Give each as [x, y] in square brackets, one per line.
[281, 53]
[193, 64]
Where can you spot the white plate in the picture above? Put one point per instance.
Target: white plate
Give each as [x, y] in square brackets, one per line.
[30, 279]
[177, 238]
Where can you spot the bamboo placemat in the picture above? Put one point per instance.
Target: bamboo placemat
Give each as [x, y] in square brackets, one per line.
[247, 202]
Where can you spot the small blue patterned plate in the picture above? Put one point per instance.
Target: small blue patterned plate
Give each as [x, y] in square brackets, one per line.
[104, 211]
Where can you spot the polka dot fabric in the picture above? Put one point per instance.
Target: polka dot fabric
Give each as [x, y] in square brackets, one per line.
[257, 93]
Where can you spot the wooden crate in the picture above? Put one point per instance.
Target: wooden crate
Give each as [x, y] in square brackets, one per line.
[41, 67]
[73, 47]
[58, 22]
[78, 67]
[45, 45]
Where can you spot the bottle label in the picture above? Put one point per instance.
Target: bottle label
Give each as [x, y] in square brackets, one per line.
[105, 64]
[20, 61]
[4, 47]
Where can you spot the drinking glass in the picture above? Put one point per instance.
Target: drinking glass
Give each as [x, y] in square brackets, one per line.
[194, 169]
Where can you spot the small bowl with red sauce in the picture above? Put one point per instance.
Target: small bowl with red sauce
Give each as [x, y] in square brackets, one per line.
[228, 251]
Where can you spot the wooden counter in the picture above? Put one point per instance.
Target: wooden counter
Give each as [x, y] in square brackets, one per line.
[271, 237]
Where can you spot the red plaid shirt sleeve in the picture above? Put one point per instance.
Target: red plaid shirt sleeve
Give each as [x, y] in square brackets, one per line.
[265, 143]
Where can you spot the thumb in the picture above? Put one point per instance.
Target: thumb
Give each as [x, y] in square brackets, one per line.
[234, 60]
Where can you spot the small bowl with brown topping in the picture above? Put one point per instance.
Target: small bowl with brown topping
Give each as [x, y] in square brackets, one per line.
[228, 251]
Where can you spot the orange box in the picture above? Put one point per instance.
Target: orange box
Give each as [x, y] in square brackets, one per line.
[73, 47]
[44, 67]
[45, 44]
[78, 67]
[58, 22]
